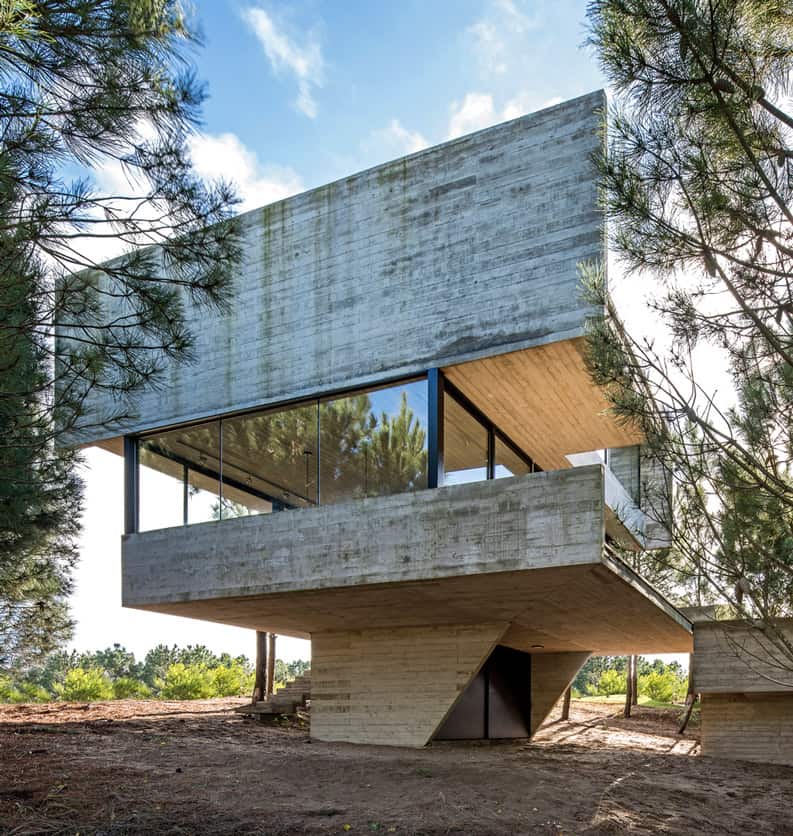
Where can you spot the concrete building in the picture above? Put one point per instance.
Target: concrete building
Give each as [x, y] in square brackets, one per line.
[403, 372]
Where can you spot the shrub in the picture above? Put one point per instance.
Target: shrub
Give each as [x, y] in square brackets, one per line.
[129, 688]
[610, 682]
[32, 692]
[8, 693]
[185, 682]
[230, 680]
[84, 685]
[659, 687]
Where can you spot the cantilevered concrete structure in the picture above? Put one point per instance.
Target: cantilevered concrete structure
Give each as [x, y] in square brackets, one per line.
[391, 445]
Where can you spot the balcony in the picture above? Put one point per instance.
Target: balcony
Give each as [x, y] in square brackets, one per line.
[526, 550]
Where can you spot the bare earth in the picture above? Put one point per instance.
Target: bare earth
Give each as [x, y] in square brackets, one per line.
[192, 767]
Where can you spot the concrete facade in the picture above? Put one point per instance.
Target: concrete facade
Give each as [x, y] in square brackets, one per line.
[746, 688]
[467, 249]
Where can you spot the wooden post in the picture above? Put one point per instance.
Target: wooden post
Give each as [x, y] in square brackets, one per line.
[270, 663]
[635, 681]
[628, 687]
[566, 703]
[260, 671]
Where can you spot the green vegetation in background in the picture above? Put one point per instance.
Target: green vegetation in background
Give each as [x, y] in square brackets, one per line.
[175, 673]
[659, 682]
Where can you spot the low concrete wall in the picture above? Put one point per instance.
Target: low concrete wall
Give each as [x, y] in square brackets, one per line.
[393, 687]
[749, 727]
[732, 657]
[528, 522]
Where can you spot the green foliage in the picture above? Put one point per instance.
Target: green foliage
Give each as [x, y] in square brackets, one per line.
[129, 688]
[84, 685]
[85, 82]
[231, 681]
[185, 682]
[192, 672]
[697, 180]
[609, 682]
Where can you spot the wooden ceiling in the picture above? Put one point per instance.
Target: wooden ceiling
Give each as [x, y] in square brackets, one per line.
[545, 400]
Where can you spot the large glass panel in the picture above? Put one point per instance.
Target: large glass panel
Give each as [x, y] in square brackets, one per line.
[270, 461]
[374, 443]
[465, 445]
[508, 462]
[179, 476]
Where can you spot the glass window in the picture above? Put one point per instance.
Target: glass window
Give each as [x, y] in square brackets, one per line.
[180, 476]
[270, 461]
[373, 443]
[508, 462]
[465, 445]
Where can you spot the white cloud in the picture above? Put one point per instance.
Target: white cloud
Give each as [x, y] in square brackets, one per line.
[395, 141]
[498, 38]
[304, 61]
[478, 110]
[226, 156]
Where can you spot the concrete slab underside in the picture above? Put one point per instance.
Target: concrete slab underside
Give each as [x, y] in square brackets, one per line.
[587, 608]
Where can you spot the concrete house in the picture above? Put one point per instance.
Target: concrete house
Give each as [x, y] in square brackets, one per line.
[391, 445]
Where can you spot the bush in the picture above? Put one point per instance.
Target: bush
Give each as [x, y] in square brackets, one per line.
[185, 682]
[129, 688]
[609, 682]
[8, 693]
[84, 685]
[663, 687]
[31, 692]
[230, 680]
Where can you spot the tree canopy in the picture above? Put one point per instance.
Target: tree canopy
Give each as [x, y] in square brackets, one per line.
[697, 181]
[87, 86]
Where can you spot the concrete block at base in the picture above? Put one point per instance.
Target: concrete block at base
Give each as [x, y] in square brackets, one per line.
[393, 687]
[749, 727]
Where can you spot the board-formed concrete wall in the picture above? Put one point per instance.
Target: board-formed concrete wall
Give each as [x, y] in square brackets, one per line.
[730, 657]
[748, 727]
[502, 525]
[463, 250]
[551, 673]
[393, 687]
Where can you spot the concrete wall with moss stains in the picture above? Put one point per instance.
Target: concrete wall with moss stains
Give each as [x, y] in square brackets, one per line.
[464, 250]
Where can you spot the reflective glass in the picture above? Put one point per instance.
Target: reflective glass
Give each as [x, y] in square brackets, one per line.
[179, 476]
[508, 462]
[373, 443]
[270, 461]
[465, 445]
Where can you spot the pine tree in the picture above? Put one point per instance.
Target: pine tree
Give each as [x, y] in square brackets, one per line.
[697, 181]
[89, 83]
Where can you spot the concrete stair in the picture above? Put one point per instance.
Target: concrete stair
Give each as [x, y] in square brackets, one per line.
[286, 700]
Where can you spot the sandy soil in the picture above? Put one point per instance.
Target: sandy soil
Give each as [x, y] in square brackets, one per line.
[182, 768]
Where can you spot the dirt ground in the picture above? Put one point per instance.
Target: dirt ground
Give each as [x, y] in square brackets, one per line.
[183, 768]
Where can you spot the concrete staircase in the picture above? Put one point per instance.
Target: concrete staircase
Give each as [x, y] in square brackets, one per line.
[286, 700]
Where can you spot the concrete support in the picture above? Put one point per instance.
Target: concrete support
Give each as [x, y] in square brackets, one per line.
[393, 687]
[551, 674]
[749, 727]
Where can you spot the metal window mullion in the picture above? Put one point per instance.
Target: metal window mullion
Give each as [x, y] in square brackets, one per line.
[131, 485]
[435, 440]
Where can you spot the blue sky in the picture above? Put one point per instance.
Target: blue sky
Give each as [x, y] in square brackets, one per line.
[305, 92]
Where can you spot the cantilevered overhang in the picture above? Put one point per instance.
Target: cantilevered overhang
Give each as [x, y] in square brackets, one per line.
[527, 551]
[545, 400]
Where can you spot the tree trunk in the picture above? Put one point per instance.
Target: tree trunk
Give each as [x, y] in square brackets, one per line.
[691, 696]
[270, 663]
[260, 671]
[566, 703]
[635, 680]
[628, 687]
